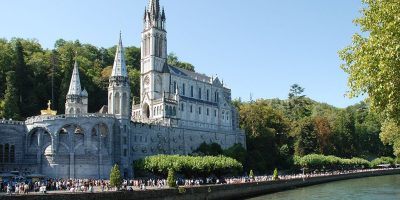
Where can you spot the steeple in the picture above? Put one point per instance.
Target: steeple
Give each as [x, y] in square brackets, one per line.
[119, 68]
[118, 87]
[154, 16]
[76, 100]
[154, 8]
[163, 18]
[75, 84]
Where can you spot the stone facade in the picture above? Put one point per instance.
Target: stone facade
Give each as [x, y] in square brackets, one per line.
[178, 110]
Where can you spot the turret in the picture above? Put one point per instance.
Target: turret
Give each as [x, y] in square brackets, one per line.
[76, 100]
[119, 89]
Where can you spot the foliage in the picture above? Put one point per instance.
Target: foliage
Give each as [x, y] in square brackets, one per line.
[307, 141]
[171, 180]
[318, 161]
[275, 176]
[174, 61]
[236, 152]
[382, 161]
[372, 62]
[251, 174]
[10, 104]
[213, 149]
[266, 128]
[189, 165]
[298, 105]
[115, 177]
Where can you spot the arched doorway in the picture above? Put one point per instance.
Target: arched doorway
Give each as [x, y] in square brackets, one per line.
[146, 110]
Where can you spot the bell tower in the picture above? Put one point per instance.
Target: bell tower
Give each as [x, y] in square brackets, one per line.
[118, 88]
[154, 53]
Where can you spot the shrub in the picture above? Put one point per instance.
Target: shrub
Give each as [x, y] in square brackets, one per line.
[115, 177]
[171, 180]
[382, 161]
[322, 162]
[189, 165]
[251, 174]
[275, 176]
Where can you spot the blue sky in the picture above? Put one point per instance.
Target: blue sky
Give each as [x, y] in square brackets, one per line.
[256, 46]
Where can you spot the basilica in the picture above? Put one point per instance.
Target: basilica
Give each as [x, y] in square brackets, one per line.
[176, 112]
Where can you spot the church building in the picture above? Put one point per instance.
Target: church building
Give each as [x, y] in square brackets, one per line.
[177, 111]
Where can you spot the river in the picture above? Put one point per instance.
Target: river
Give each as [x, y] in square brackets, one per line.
[371, 188]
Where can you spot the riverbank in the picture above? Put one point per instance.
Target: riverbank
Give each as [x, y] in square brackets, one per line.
[228, 191]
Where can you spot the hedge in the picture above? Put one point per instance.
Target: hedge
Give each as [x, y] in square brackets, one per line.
[189, 165]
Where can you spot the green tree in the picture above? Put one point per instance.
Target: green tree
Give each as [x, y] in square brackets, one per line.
[171, 180]
[10, 105]
[115, 177]
[298, 104]
[345, 138]
[173, 60]
[306, 138]
[251, 174]
[275, 176]
[213, 149]
[266, 128]
[24, 84]
[372, 62]
[236, 152]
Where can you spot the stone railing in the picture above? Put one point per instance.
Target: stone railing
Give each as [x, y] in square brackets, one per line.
[136, 107]
[41, 118]
[11, 122]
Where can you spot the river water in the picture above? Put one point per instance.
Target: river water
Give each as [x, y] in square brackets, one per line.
[371, 188]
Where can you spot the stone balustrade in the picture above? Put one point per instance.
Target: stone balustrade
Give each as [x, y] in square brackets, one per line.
[11, 122]
[42, 118]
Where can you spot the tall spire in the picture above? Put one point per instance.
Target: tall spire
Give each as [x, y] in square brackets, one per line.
[154, 8]
[119, 68]
[75, 85]
[154, 16]
[163, 15]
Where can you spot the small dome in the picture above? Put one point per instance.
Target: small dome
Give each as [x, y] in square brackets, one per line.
[84, 93]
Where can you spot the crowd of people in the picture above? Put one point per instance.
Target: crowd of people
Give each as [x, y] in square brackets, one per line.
[91, 185]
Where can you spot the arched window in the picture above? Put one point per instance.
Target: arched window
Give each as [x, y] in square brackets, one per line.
[78, 111]
[71, 111]
[12, 154]
[167, 110]
[174, 111]
[117, 100]
[199, 110]
[144, 46]
[6, 153]
[199, 93]
[94, 132]
[182, 107]
[149, 47]
[161, 46]
[124, 104]
[191, 91]
[183, 89]
[1, 153]
[156, 45]
[175, 87]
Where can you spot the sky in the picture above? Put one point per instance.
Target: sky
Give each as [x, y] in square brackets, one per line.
[259, 48]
